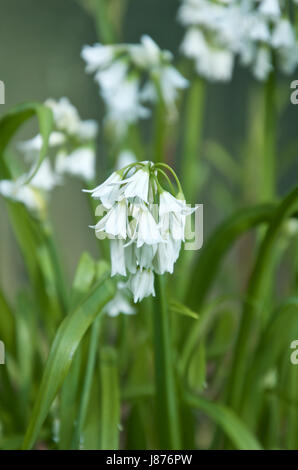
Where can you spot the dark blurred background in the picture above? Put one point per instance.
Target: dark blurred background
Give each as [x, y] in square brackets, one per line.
[40, 45]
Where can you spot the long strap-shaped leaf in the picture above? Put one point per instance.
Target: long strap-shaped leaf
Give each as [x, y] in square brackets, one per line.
[62, 351]
[255, 296]
[233, 427]
[217, 246]
[13, 120]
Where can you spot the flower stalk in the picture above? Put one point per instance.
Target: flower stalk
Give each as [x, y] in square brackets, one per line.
[166, 398]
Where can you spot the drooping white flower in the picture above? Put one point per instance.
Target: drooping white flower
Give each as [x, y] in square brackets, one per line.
[146, 237]
[173, 213]
[270, 8]
[107, 192]
[117, 257]
[111, 79]
[137, 185]
[194, 44]
[258, 29]
[115, 221]
[142, 284]
[263, 64]
[283, 35]
[171, 81]
[97, 56]
[166, 256]
[146, 231]
[147, 53]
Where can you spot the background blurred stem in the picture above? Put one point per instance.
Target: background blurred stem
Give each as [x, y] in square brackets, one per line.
[59, 277]
[193, 138]
[86, 391]
[104, 27]
[166, 399]
[268, 183]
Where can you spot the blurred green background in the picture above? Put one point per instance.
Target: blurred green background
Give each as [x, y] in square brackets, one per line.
[40, 44]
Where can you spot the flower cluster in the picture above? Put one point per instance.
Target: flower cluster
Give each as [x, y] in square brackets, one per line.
[72, 142]
[254, 30]
[130, 77]
[146, 224]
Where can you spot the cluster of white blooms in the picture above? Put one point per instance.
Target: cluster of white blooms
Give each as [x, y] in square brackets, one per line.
[253, 30]
[130, 77]
[145, 224]
[72, 141]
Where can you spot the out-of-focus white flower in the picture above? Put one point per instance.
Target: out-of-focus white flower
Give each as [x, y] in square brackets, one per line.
[270, 8]
[80, 162]
[45, 178]
[217, 32]
[87, 130]
[33, 194]
[66, 116]
[97, 56]
[147, 53]
[194, 44]
[111, 78]
[32, 146]
[141, 284]
[258, 29]
[120, 303]
[263, 64]
[126, 157]
[288, 58]
[146, 237]
[283, 35]
[171, 81]
[71, 141]
[25, 194]
[124, 106]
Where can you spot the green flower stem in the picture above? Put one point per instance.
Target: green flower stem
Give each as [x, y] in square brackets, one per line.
[166, 399]
[268, 162]
[160, 132]
[104, 27]
[193, 138]
[110, 399]
[86, 392]
[256, 293]
[56, 265]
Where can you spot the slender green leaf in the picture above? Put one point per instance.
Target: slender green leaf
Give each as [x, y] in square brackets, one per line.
[62, 351]
[232, 426]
